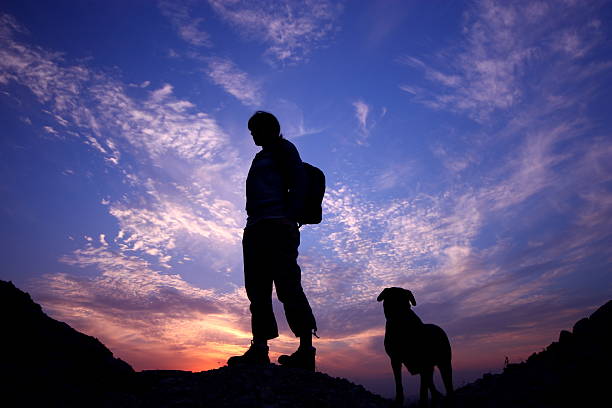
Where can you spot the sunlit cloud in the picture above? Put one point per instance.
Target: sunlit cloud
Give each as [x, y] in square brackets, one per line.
[292, 28]
[502, 41]
[97, 109]
[156, 230]
[361, 114]
[180, 14]
[140, 312]
[237, 83]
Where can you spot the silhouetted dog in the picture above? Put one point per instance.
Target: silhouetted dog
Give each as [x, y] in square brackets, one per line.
[418, 346]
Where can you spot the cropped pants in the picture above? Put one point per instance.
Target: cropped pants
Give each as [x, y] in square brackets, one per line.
[270, 251]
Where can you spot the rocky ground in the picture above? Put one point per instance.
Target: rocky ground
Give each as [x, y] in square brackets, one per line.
[267, 387]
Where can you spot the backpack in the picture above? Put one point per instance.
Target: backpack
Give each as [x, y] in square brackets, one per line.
[312, 212]
[315, 190]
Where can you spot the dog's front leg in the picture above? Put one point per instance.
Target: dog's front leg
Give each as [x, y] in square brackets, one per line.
[397, 374]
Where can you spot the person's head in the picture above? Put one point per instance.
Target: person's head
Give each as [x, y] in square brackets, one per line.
[264, 128]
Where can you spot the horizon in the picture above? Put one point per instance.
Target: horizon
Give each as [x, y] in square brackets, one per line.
[467, 151]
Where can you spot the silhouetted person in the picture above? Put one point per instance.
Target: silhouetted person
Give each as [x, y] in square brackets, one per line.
[275, 189]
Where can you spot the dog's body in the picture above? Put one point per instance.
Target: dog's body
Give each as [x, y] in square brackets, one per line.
[418, 346]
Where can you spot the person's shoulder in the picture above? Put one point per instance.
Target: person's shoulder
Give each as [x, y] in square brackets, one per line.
[286, 143]
[287, 146]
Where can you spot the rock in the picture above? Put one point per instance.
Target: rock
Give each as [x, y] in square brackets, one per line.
[565, 337]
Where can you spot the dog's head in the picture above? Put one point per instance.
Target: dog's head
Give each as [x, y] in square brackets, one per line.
[396, 301]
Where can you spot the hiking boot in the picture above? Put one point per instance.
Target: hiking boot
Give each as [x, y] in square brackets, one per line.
[255, 355]
[302, 358]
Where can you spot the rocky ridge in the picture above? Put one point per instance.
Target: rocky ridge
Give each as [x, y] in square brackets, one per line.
[575, 371]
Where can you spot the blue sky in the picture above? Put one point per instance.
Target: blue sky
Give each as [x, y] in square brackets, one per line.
[467, 150]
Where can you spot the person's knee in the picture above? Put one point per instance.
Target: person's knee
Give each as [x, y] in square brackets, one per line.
[291, 295]
[258, 305]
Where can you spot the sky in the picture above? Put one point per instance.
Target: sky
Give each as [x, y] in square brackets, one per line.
[467, 148]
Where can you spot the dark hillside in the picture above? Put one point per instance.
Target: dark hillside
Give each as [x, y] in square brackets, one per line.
[575, 371]
[47, 360]
[272, 386]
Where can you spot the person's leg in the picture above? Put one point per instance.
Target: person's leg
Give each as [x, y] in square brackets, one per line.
[258, 282]
[287, 279]
[258, 285]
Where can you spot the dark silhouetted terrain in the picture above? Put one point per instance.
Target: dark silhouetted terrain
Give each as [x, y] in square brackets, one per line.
[46, 363]
[272, 386]
[575, 371]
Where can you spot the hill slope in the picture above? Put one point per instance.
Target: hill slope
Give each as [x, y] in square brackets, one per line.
[575, 371]
[43, 359]
[272, 386]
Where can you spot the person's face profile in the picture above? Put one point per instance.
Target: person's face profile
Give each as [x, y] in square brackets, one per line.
[260, 135]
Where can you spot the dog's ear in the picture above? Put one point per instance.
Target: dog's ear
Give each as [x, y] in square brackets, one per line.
[410, 297]
[382, 295]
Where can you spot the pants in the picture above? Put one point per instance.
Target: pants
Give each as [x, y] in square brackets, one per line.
[270, 250]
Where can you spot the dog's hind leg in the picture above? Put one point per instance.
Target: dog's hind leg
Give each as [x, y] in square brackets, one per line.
[426, 385]
[446, 371]
[399, 389]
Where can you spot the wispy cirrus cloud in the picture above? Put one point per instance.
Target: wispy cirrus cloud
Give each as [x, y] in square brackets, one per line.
[366, 119]
[237, 83]
[188, 203]
[180, 14]
[171, 224]
[292, 28]
[97, 109]
[503, 42]
[362, 110]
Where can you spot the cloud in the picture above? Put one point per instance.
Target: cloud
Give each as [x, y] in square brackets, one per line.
[101, 112]
[162, 124]
[361, 113]
[180, 14]
[169, 223]
[191, 199]
[127, 284]
[153, 320]
[237, 83]
[394, 176]
[502, 44]
[291, 28]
